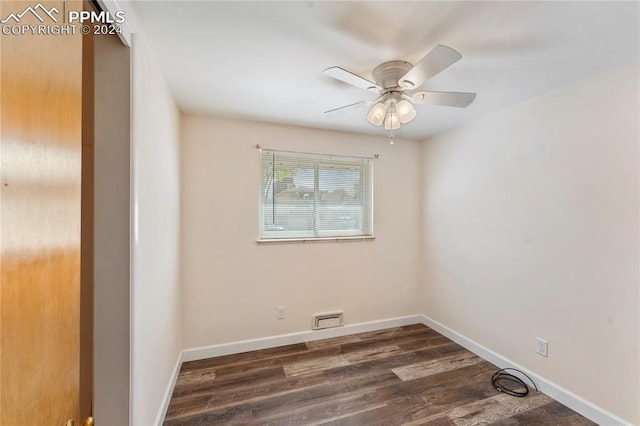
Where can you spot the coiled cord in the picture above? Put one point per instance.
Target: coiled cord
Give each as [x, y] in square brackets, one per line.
[501, 376]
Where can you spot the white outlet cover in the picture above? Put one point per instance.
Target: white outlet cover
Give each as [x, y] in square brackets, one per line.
[542, 347]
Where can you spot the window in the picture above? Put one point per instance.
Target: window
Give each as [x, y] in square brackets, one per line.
[314, 196]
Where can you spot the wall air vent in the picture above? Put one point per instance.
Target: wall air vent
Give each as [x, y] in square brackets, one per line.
[327, 320]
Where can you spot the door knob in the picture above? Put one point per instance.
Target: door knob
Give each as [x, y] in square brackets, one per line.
[89, 421]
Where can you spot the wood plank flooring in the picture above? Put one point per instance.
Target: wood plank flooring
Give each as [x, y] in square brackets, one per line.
[407, 375]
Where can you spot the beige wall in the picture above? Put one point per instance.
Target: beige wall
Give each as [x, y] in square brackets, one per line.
[155, 310]
[232, 285]
[531, 230]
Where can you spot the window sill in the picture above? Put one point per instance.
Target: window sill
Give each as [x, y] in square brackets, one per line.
[314, 240]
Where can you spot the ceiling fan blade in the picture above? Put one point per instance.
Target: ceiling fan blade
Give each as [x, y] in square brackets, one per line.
[367, 102]
[440, 58]
[453, 99]
[351, 78]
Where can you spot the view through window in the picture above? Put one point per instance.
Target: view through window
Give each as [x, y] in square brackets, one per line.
[315, 196]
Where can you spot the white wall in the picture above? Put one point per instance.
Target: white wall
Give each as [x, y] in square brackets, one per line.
[155, 310]
[531, 230]
[232, 285]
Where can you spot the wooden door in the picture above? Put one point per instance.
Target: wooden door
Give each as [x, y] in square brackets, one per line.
[40, 216]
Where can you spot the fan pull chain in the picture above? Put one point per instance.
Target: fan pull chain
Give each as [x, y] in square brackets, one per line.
[391, 143]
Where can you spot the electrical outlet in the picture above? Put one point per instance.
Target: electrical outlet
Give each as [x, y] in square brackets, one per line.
[281, 310]
[542, 347]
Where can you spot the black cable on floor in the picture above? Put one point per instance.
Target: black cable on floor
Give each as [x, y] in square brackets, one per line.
[501, 378]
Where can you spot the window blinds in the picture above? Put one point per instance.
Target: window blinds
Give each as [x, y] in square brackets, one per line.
[314, 196]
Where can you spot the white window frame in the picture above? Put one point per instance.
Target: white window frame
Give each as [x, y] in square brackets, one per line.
[364, 165]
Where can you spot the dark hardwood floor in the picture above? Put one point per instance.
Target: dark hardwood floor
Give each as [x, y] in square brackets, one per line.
[400, 376]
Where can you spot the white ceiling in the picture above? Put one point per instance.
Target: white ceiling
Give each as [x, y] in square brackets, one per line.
[264, 60]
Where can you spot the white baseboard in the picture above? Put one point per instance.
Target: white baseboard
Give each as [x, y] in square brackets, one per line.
[560, 394]
[168, 392]
[576, 403]
[293, 338]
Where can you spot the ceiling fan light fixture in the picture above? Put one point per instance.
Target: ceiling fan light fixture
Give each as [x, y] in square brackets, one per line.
[406, 111]
[376, 115]
[394, 80]
[392, 120]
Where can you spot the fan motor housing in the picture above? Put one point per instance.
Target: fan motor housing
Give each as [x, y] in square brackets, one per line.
[386, 75]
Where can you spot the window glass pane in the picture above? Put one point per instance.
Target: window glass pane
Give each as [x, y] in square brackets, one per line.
[339, 204]
[294, 204]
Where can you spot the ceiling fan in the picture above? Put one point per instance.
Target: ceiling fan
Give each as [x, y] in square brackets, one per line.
[396, 81]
